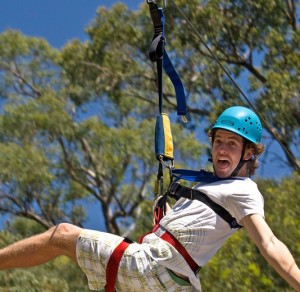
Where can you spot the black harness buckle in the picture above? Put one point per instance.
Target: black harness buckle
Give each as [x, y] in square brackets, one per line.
[192, 195]
[172, 190]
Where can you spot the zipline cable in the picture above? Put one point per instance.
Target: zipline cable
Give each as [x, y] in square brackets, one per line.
[268, 126]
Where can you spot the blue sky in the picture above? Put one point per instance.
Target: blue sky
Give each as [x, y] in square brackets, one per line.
[58, 21]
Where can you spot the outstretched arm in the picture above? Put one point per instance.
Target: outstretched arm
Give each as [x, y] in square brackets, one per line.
[273, 250]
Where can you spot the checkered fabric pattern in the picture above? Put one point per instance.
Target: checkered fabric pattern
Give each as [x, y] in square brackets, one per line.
[137, 271]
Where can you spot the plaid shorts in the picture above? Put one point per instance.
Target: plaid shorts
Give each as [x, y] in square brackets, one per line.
[137, 270]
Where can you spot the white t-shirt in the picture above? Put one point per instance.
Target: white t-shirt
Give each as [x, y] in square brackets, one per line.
[199, 229]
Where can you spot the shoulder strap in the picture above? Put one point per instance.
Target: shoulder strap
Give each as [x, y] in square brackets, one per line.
[198, 176]
[178, 191]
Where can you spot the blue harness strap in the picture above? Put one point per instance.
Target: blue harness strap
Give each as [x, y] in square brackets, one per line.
[194, 175]
[178, 86]
[157, 53]
[197, 175]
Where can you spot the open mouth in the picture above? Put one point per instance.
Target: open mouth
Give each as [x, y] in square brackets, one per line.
[223, 163]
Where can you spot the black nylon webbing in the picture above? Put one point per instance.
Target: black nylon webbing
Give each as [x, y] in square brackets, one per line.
[178, 191]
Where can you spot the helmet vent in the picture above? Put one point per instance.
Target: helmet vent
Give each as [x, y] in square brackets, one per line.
[226, 122]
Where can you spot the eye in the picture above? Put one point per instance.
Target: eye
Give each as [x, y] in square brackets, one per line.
[232, 143]
[217, 141]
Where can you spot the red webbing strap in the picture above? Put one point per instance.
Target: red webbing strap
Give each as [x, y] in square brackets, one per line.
[113, 265]
[152, 231]
[168, 237]
[171, 239]
[158, 214]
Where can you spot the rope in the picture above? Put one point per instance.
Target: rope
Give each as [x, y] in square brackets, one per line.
[266, 123]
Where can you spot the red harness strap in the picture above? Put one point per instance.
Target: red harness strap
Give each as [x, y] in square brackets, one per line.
[113, 265]
[115, 258]
[171, 239]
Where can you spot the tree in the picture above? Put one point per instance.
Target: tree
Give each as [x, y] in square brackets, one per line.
[49, 93]
[55, 155]
[77, 124]
[69, 114]
[258, 45]
[253, 41]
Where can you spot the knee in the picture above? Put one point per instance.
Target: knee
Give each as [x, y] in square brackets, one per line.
[64, 236]
[63, 228]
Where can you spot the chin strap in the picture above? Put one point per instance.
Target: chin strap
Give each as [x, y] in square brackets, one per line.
[239, 166]
[241, 163]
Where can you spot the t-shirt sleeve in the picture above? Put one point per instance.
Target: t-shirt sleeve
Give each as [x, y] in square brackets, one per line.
[241, 205]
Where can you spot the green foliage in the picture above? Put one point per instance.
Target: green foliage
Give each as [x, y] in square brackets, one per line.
[282, 199]
[78, 124]
[23, 227]
[255, 42]
[56, 276]
[24, 165]
[37, 59]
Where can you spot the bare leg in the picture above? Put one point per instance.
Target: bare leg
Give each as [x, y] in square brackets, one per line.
[38, 249]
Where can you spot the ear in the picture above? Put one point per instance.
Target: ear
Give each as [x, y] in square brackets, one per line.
[248, 154]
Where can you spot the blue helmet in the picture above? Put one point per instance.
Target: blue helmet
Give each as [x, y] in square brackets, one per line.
[242, 121]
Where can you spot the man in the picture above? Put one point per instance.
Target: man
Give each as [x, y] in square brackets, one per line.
[196, 229]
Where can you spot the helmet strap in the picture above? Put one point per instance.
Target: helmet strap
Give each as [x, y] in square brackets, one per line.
[241, 163]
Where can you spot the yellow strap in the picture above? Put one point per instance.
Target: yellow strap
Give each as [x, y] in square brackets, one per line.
[168, 136]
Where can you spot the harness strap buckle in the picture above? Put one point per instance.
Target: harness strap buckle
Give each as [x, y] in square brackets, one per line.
[173, 187]
[192, 194]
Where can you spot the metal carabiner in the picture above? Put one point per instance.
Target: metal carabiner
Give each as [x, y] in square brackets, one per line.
[167, 165]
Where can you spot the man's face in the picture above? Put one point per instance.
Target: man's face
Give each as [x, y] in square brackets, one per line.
[226, 153]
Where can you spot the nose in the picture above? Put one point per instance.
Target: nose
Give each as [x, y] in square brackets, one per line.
[222, 146]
